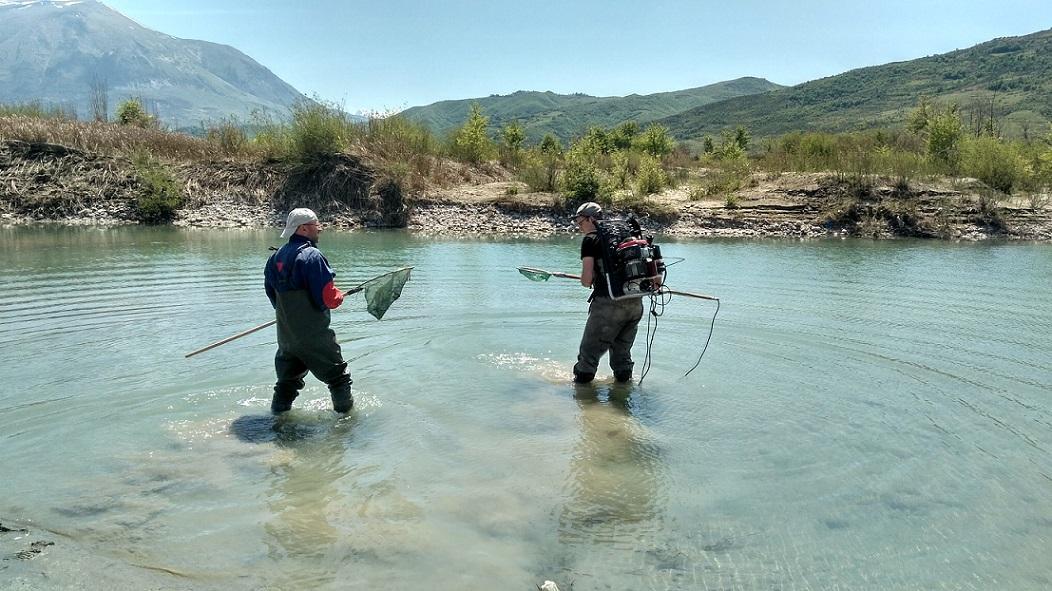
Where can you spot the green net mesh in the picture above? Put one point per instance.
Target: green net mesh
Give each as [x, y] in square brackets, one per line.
[381, 292]
[535, 274]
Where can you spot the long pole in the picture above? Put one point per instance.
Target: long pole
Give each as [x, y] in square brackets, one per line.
[250, 331]
[228, 339]
[353, 290]
[682, 293]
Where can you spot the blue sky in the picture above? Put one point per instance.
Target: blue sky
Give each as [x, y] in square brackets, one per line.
[391, 54]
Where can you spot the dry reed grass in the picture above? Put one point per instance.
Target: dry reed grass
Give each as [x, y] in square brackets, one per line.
[107, 138]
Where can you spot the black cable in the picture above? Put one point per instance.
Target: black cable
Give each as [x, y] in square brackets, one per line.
[711, 327]
[658, 299]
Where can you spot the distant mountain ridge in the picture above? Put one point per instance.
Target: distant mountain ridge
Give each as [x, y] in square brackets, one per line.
[51, 51]
[1014, 73]
[569, 115]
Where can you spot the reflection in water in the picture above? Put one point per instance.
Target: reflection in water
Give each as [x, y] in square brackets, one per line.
[302, 538]
[615, 490]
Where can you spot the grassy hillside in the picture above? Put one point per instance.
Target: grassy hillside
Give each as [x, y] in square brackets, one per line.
[1012, 76]
[571, 115]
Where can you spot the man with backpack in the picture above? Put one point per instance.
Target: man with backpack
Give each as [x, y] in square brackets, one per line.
[612, 323]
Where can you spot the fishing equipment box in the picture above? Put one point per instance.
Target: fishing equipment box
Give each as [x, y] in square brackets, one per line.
[631, 262]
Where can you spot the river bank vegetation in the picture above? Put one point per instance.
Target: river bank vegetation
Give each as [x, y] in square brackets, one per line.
[319, 155]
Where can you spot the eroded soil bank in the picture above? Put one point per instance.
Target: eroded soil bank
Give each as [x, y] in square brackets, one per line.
[52, 183]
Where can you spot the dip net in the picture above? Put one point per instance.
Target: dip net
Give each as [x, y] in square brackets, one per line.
[382, 291]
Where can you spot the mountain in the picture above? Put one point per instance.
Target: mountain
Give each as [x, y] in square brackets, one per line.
[569, 115]
[52, 51]
[1011, 75]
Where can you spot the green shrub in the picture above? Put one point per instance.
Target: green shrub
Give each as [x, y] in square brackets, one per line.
[132, 112]
[317, 130]
[272, 139]
[643, 205]
[655, 140]
[945, 135]
[540, 170]
[512, 137]
[997, 164]
[623, 135]
[817, 151]
[730, 147]
[650, 178]
[229, 136]
[595, 143]
[580, 179]
[394, 137]
[620, 169]
[161, 195]
[730, 176]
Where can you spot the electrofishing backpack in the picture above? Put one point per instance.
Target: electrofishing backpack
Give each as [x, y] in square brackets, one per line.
[631, 262]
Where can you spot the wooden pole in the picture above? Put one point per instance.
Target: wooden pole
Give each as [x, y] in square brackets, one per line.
[228, 339]
[673, 291]
[353, 290]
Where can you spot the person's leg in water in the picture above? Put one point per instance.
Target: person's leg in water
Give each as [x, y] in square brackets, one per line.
[599, 333]
[628, 315]
[329, 367]
[290, 370]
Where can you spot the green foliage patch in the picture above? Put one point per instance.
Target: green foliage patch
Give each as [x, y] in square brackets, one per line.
[161, 195]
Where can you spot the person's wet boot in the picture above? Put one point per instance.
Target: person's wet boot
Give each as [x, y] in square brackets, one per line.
[342, 399]
[282, 401]
[623, 376]
[582, 378]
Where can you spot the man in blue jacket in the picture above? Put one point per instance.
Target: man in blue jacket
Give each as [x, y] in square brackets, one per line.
[299, 283]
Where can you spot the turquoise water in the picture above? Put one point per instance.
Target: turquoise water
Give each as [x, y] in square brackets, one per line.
[869, 415]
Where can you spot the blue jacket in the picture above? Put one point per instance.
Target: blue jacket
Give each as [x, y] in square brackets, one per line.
[299, 265]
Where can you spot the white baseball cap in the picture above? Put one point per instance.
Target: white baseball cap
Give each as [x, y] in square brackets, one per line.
[298, 217]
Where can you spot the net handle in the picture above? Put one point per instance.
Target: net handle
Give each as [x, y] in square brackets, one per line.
[350, 291]
[688, 294]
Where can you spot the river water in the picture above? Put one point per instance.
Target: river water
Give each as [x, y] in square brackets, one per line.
[869, 415]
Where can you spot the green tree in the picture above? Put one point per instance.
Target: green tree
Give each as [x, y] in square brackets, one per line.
[621, 137]
[650, 178]
[994, 162]
[656, 141]
[707, 145]
[945, 133]
[580, 178]
[132, 112]
[471, 143]
[550, 145]
[741, 137]
[596, 142]
[942, 130]
[917, 121]
[729, 148]
[512, 137]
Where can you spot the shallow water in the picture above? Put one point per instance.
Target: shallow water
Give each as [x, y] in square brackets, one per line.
[869, 415]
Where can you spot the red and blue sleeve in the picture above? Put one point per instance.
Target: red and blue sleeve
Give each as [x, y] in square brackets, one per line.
[319, 280]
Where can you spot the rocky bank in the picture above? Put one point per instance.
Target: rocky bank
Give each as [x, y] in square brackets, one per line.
[52, 183]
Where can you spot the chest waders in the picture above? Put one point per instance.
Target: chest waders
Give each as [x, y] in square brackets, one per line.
[306, 343]
[611, 327]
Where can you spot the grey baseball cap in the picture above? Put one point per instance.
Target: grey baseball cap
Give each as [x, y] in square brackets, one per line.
[298, 217]
[590, 209]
